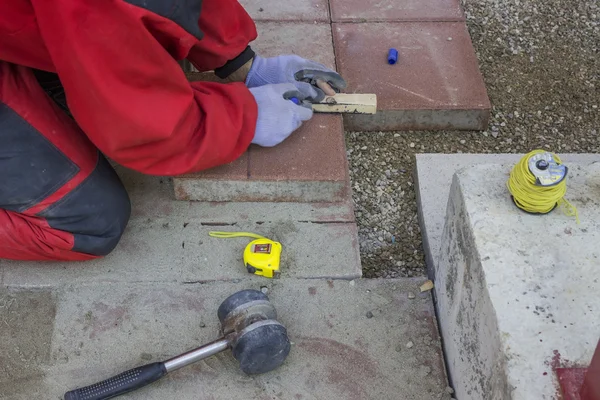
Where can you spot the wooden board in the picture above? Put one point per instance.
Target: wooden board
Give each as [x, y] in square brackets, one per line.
[353, 103]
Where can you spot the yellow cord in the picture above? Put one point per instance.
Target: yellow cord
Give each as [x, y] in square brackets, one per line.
[538, 199]
[235, 234]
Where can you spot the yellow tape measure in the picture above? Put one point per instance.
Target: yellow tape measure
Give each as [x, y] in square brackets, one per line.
[261, 256]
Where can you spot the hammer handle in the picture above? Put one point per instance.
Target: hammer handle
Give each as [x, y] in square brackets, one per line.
[120, 384]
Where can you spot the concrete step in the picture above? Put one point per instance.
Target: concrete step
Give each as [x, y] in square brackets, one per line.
[514, 291]
[59, 338]
[167, 240]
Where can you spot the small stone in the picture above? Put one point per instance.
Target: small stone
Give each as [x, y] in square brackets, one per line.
[449, 390]
[369, 314]
[261, 9]
[409, 345]
[463, 141]
[202, 325]
[449, 39]
[352, 283]
[398, 348]
[264, 289]
[411, 295]
[412, 144]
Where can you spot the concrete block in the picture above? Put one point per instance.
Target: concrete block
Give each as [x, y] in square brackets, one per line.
[436, 83]
[91, 332]
[433, 177]
[517, 295]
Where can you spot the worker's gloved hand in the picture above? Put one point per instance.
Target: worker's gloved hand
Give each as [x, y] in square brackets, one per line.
[304, 74]
[278, 114]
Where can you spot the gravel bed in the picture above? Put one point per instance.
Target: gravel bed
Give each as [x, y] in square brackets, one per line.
[541, 64]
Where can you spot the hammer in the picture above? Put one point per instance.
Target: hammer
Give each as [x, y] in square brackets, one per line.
[249, 328]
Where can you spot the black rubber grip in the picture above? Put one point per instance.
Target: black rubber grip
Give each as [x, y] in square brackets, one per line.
[119, 384]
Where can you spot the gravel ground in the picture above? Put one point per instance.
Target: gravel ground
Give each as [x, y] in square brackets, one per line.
[541, 63]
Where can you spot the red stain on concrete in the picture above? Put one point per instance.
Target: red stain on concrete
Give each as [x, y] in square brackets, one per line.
[104, 318]
[555, 362]
[346, 368]
[312, 290]
[330, 284]
[190, 301]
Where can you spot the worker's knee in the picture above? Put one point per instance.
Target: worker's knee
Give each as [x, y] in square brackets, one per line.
[96, 212]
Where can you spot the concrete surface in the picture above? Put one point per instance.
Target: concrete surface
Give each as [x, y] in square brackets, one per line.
[89, 332]
[517, 295]
[436, 83]
[167, 241]
[433, 178]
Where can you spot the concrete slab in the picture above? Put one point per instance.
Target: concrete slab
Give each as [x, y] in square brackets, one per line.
[433, 177]
[175, 249]
[167, 240]
[391, 10]
[517, 294]
[287, 10]
[436, 83]
[337, 353]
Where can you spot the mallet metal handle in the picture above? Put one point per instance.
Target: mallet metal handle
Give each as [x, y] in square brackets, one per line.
[196, 355]
[142, 376]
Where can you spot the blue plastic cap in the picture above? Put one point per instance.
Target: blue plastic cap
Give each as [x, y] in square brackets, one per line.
[295, 100]
[392, 56]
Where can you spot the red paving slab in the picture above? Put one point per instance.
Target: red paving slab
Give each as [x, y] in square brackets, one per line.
[436, 83]
[394, 10]
[311, 41]
[287, 10]
[315, 152]
[236, 170]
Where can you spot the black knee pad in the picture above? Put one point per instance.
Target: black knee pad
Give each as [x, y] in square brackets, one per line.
[96, 212]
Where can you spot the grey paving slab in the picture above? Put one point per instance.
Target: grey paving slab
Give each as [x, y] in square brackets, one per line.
[167, 241]
[517, 294]
[90, 332]
[177, 249]
[433, 176]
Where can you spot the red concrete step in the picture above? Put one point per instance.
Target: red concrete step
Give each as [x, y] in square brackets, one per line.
[436, 83]
[394, 10]
[310, 166]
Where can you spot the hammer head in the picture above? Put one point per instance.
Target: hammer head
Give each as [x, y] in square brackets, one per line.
[258, 341]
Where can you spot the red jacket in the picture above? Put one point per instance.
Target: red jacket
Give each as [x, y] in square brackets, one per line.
[117, 62]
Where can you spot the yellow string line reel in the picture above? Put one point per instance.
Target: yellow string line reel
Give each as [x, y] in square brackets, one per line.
[538, 184]
[261, 256]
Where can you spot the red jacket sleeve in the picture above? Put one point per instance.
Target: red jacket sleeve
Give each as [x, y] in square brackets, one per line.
[129, 95]
[227, 30]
